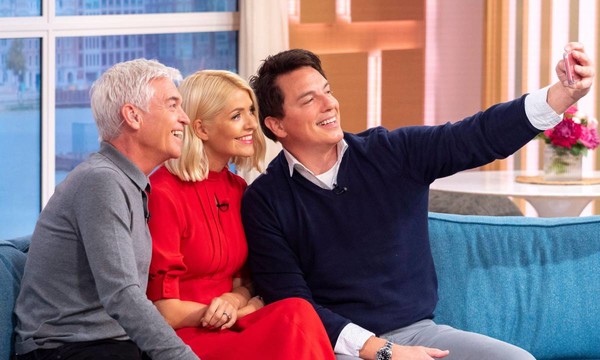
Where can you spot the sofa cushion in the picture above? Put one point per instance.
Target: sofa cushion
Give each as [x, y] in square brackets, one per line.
[12, 263]
[533, 282]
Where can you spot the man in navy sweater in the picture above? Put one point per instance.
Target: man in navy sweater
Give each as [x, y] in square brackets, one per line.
[340, 219]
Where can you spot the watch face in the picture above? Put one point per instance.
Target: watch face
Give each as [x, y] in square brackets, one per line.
[384, 353]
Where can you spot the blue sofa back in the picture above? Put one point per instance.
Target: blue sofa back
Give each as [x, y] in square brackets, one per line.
[12, 262]
[533, 282]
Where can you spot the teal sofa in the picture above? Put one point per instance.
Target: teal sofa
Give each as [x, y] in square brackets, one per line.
[13, 254]
[533, 282]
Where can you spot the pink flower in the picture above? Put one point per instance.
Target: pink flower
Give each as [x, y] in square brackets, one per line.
[577, 132]
[571, 111]
[589, 138]
[565, 134]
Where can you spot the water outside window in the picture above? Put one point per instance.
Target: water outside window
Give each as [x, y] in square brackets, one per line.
[20, 130]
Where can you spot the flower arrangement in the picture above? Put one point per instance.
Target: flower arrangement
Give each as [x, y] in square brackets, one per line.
[567, 143]
[575, 134]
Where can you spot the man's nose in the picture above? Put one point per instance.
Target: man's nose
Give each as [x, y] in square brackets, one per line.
[183, 117]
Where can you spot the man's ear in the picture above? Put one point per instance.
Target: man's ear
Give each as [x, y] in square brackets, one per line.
[275, 125]
[199, 129]
[131, 116]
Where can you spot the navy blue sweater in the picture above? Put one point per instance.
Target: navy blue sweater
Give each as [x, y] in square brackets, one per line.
[363, 255]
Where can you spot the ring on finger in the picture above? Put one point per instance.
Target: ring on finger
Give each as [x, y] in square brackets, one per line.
[226, 314]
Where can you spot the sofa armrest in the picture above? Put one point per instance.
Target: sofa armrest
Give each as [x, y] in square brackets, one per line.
[12, 264]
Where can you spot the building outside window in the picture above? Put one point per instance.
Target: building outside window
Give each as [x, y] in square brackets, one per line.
[49, 61]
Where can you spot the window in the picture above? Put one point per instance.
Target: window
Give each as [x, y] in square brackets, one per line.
[20, 130]
[116, 7]
[20, 8]
[48, 63]
[76, 133]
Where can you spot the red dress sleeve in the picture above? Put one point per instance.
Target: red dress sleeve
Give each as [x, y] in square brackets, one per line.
[166, 224]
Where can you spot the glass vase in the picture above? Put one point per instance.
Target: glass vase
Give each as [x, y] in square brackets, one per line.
[561, 165]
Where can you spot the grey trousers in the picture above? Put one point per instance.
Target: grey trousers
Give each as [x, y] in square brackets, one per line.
[463, 345]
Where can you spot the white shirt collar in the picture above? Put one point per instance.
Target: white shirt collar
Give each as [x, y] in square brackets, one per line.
[326, 180]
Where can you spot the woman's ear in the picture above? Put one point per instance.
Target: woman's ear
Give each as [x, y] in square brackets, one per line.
[199, 130]
[131, 116]
[276, 126]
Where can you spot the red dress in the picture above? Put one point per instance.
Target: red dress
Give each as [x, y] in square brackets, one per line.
[199, 246]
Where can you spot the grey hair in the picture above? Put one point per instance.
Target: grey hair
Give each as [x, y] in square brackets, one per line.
[125, 83]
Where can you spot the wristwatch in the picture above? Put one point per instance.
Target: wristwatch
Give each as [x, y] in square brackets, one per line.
[385, 353]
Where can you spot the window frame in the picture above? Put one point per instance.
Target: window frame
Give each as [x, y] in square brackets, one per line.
[48, 27]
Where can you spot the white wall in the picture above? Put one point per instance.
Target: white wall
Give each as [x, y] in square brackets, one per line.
[454, 59]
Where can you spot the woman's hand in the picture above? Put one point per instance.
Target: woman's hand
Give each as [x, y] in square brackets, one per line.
[253, 304]
[224, 310]
[221, 314]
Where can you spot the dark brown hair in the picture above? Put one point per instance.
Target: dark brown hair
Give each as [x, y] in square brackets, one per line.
[264, 83]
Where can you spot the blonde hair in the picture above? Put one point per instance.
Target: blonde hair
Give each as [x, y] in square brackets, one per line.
[204, 95]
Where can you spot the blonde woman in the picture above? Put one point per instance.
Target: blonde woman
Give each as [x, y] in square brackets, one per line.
[198, 279]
